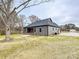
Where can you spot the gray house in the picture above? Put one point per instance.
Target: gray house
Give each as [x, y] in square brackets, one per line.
[42, 27]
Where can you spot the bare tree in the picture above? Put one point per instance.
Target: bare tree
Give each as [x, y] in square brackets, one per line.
[2, 27]
[7, 11]
[33, 18]
[21, 21]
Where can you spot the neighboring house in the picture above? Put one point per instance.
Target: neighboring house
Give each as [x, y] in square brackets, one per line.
[42, 27]
[72, 30]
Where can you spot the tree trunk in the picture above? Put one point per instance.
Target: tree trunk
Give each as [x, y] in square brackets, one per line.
[7, 37]
[22, 30]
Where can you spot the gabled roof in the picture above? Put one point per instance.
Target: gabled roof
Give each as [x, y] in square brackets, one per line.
[44, 22]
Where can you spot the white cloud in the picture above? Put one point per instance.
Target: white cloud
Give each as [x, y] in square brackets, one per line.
[63, 11]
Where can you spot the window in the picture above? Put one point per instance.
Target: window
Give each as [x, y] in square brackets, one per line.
[53, 28]
[40, 30]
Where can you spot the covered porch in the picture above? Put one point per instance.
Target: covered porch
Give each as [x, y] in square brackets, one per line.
[31, 30]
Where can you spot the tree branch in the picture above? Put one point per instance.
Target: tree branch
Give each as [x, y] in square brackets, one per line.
[23, 4]
[2, 18]
[22, 8]
[26, 6]
[4, 5]
[3, 11]
[36, 4]
[19, 6]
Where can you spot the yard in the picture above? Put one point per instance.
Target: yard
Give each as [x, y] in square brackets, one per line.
[40, 47]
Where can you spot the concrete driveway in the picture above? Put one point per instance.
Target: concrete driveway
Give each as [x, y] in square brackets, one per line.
[70, 33]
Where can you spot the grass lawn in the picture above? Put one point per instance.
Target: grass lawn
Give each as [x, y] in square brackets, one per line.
[1, 36]
[40, 47]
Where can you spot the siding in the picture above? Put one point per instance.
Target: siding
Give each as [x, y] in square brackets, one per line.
[53, 30]
[50, 30]
[43, 31]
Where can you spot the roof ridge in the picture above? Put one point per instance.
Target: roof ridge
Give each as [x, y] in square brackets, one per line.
[47, 21]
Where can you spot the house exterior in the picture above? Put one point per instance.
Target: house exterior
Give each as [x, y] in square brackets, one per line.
[73, 30]
[42, 27]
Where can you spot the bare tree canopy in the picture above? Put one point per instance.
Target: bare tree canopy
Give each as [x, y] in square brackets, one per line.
[9, 11]
[25, 4]
[33, 18]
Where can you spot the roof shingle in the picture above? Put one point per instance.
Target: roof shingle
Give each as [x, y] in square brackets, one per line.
[45, 22]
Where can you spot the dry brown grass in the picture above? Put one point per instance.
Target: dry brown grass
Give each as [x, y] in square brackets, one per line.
[41, 47]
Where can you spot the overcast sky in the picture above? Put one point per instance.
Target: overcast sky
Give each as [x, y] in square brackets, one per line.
[61, 11]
